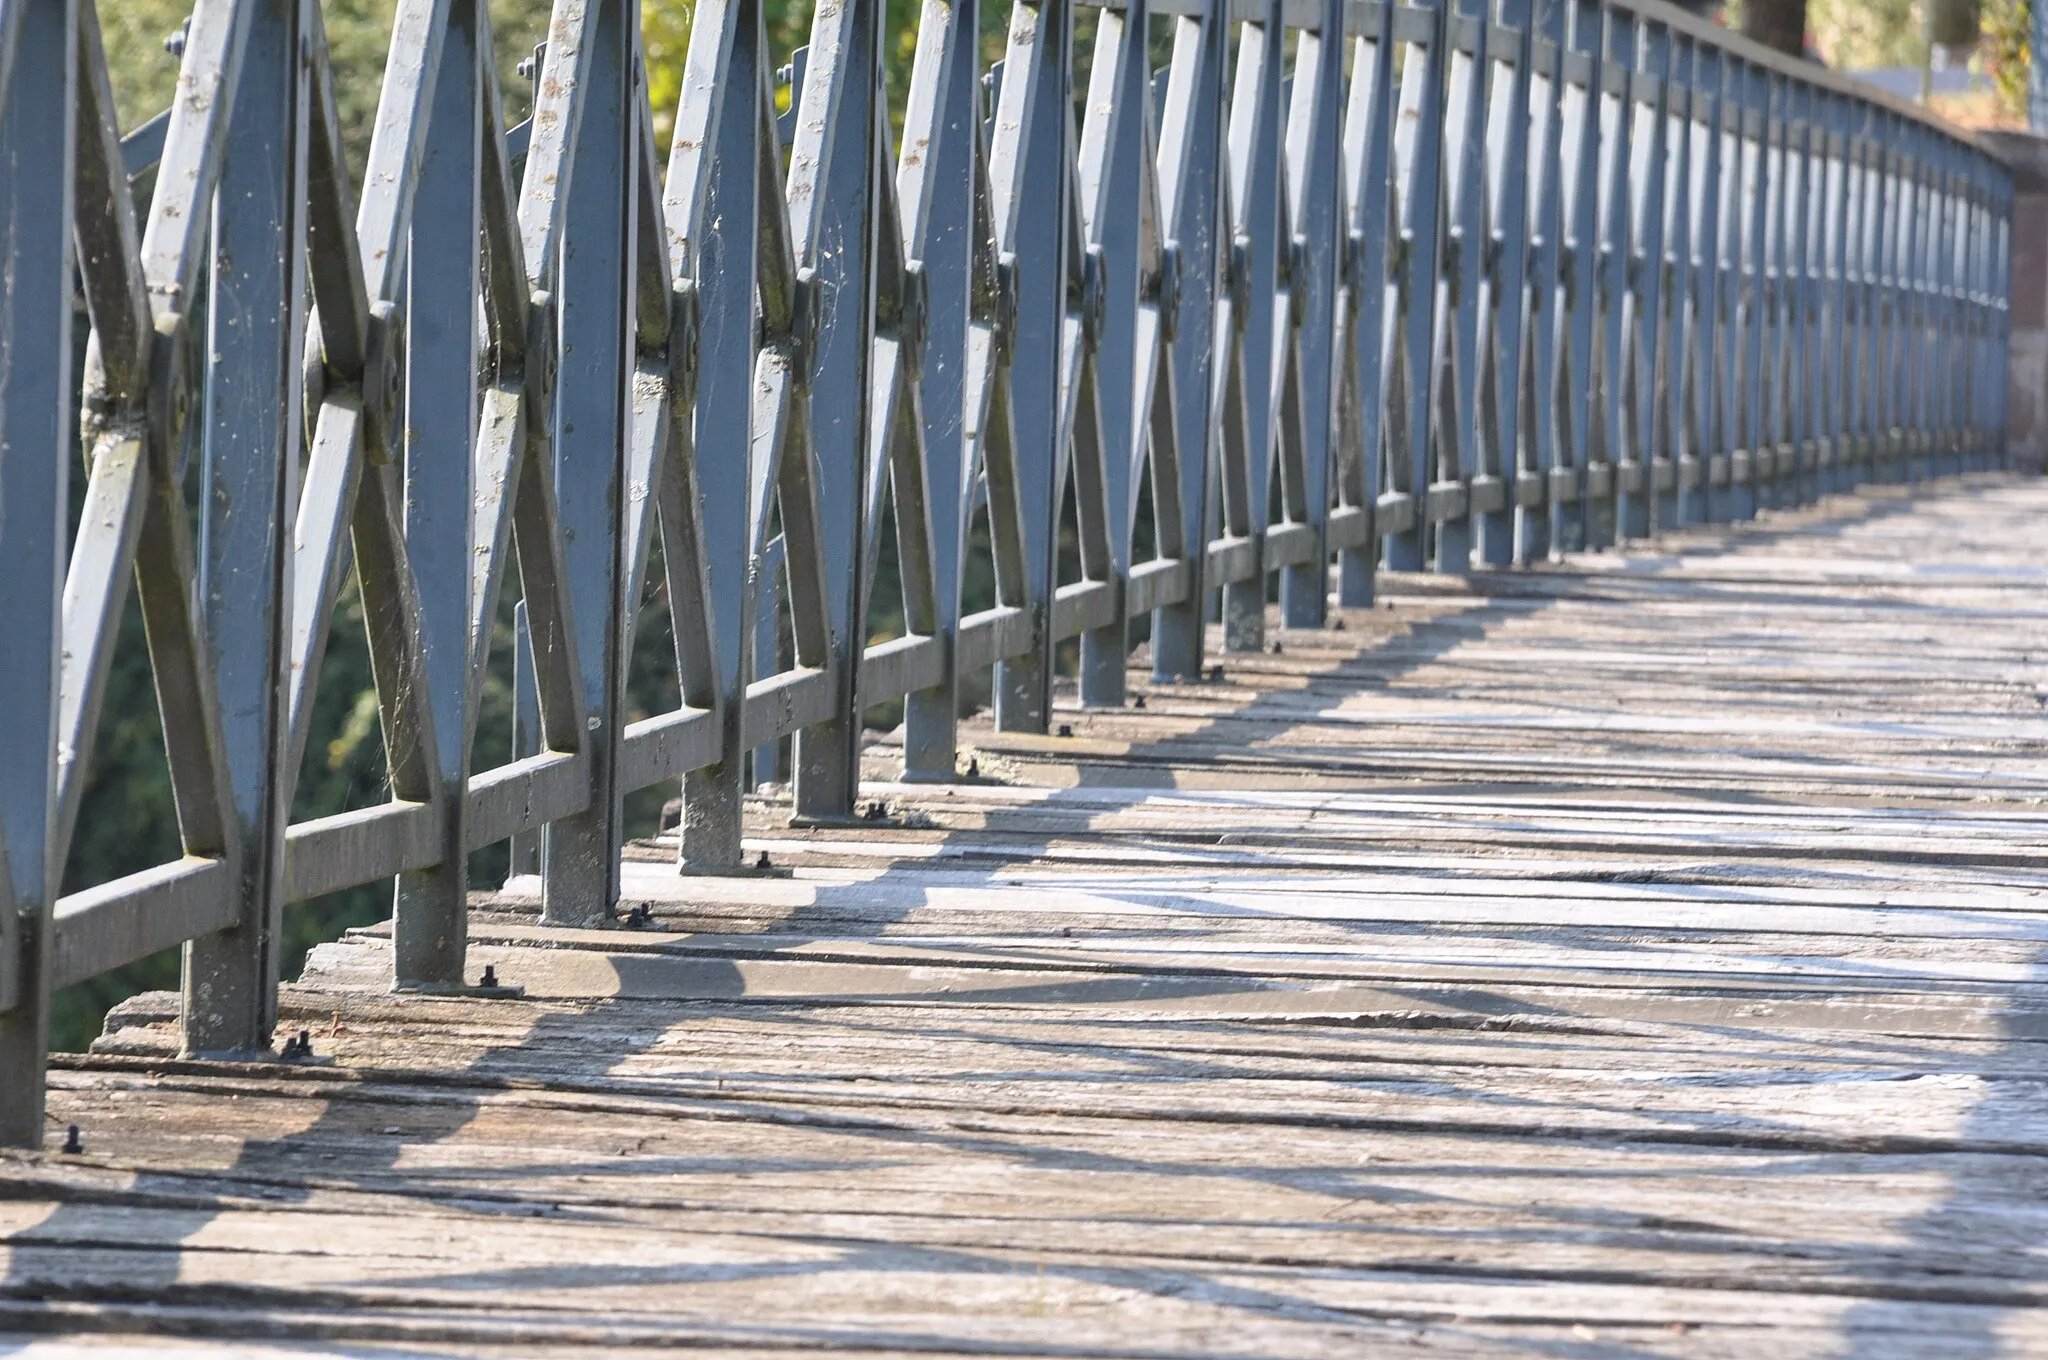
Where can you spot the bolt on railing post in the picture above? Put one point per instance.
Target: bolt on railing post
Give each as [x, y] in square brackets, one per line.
[38, 65]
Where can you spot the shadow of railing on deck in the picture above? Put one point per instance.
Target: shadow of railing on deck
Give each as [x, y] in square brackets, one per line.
[595, 1040]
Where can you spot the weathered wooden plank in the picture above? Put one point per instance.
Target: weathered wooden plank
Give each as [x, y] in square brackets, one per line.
[1645, 956]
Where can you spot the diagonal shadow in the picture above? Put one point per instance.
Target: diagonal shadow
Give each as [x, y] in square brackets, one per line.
[278, 1163]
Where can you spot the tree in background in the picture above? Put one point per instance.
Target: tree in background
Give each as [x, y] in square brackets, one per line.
[1864, 35]
[2006, 54]
[1776, 23]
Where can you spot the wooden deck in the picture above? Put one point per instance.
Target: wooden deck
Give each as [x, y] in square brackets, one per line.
[1642, 957]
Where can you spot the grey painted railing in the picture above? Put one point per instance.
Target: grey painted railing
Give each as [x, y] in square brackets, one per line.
[1346, 283]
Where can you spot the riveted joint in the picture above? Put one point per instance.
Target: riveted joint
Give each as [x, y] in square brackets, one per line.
[1004, 320]
[542, 350]
[1352, 266]
[1492, 251]
[1297, 278]
[1237, 278]
[913, 317]
[314, 380]
[170, 392]
[803, 323]
[384, 379]
[1399, 248]
[1092, 297]
[98, 409]
[1165, 291]
[685, 332]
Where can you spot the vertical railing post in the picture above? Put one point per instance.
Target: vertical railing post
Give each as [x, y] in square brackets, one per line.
[1792, 453]
[1418, 199]
[1614, 100]
[526, 733]
[834, 232]
[1753, 327]
[1833, 335]
[1674, 362]
[1031, 179]
[1771, 394]
[1368, 150]
[1699, 420]
[580, 854]
[1903, 270]
[1943, 380]
[1540, 527]
[1579, 230]
[1191, 206]
[1809, 231]
[430, 913]
[1894, 226]
[1894, 253]
[1972, 305]
[38, 63]
[1107, 174]
[1314, 123]
[713, 201]
[1504, 536]
[1859, 311]
[1253, 150]
[1998, 289]
[1454, 346]
[1643, 295]
[935, 178]
[250, 439]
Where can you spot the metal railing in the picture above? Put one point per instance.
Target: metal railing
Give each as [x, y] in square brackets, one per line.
[1345, 282]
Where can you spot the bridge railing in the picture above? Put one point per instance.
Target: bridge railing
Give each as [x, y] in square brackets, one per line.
[1282, 289]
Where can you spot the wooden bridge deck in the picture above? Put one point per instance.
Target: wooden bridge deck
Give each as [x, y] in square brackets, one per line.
[1640, 957]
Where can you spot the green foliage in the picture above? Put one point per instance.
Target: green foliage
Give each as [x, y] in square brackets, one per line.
[2006, 51]
[1862, 35]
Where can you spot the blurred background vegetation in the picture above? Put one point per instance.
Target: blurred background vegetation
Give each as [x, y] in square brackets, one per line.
[128, 823]
[1869, 35]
